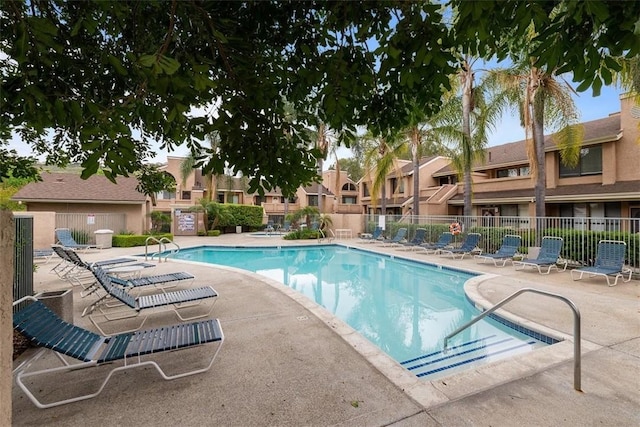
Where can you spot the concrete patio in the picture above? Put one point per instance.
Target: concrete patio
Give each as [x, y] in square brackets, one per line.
[287, 361]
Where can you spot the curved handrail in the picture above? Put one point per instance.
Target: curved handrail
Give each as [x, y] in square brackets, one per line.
[162, 247]
[577, 364]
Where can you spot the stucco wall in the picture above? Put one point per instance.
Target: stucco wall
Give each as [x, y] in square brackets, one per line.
[44, 225]
[628, 148]
[135, 214]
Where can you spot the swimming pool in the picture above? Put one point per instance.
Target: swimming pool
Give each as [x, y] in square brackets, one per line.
[404, 307]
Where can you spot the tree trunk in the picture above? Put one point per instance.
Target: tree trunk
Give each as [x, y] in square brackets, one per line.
[467, 107]
[540, 189]
[7, 244]
[320, 165]
[383, 199]
[415, 145]
[338, 185]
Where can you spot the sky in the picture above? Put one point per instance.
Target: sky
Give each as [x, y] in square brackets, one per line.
[509, 130]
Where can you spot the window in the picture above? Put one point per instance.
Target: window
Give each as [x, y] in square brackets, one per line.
[512, 172]
[312, 200]
[445, 180]
[397, 185]
[220, 197]
[349, 200]
[365, 190]
[349, 187]
[165, 195]
[590, 163]
[186, 195]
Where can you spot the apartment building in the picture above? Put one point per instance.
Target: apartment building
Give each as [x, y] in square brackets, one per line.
[234, 190]
[605, 183]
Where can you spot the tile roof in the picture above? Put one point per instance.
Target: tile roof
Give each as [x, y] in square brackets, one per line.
[313, 189]
[624, 189]
[70, 188]
[515, 152]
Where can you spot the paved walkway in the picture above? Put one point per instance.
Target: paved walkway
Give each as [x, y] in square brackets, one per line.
[286, 361]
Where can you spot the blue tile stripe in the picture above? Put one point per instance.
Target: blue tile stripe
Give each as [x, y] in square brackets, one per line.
[451, 348]
[467, 361]
[457, 355]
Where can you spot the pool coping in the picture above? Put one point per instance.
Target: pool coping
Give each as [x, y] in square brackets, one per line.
[433, 393]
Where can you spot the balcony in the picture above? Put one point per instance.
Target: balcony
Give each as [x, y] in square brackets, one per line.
[343, 208]
[278, 208]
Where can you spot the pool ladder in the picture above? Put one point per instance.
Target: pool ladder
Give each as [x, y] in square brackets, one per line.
[162, 248]
[577, 364]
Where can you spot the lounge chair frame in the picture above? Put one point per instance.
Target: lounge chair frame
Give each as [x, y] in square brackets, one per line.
[509, 248]
[444, 241]
[608, 265]
[88, 349]
[374, 237]
[417, 240]
[548, 257]
[65, 238]
[396, 240]
[144, 305]
[469, 247]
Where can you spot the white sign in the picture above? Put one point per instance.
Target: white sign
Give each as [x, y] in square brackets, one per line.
[381, 222]
[91, 219]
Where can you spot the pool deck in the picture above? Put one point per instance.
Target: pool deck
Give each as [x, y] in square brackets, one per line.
[287, 361]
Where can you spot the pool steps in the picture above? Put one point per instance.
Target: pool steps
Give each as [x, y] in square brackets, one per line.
[465, 355]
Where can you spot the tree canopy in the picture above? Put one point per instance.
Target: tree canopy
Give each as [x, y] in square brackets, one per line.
[97, 81]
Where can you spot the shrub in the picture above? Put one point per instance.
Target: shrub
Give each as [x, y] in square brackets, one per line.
[302, 234]
[131, 240]
[80, 236]
[213, 233]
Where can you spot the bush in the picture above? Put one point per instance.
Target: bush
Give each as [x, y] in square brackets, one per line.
[213, 233]
[131, 240]
[245, 215]
[302, 234]
[80, 236]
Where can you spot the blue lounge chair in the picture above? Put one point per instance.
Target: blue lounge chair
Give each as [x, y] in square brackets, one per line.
[78, 272]
[45, 329]
[609, 262]
[549, 256]
[417, 240]
[43, 254]
[64, 238]
[134, 306]
[468, 246]
[443, 241]
[376, 236]
[506, 252]
[397, 239]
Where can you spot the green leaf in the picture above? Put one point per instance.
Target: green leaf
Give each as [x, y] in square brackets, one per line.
[115, 62]
[147, 60]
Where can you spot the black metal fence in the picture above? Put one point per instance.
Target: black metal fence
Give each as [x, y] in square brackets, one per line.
[23, 259]
[580, 235]
[83, 226]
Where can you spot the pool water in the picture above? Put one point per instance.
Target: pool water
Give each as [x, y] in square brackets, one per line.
[406, 308]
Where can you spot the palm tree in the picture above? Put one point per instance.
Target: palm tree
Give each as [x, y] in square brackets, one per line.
[542, 99]
[381, 156]
[459, 129]
[192, 161]
[425, 138]
[325, 144]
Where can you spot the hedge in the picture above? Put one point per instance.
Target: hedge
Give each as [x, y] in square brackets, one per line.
[131, 240]
[245, 215]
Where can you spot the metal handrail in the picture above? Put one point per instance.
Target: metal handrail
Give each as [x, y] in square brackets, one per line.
[162, 245]
[577, 364]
